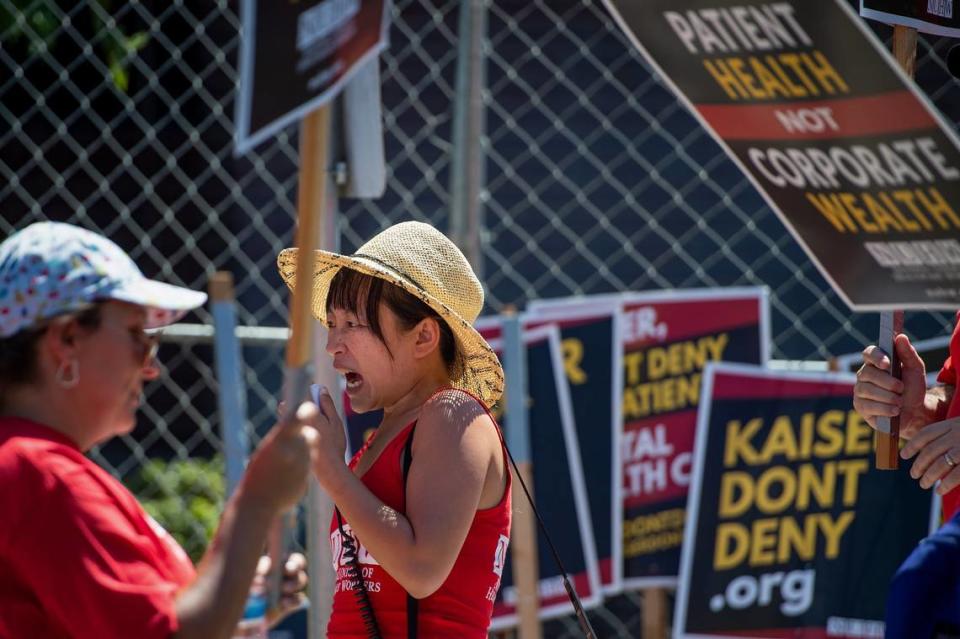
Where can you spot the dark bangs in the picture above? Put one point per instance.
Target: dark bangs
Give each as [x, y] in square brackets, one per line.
[361, 294]
[349, 290]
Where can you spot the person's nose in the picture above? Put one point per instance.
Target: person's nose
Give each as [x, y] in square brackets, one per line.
[334, 342]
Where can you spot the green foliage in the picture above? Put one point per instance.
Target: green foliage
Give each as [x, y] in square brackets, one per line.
[117, 47]
[185, 496]
[39, 22]
[36, 21]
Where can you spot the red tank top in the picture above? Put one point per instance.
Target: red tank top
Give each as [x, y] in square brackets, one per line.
[948, 375]
[462, 606]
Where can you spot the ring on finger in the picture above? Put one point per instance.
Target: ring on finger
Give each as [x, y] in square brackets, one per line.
[947, 457]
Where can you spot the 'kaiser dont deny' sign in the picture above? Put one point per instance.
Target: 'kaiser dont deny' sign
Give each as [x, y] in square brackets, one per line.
[859, 167]
[791, 531]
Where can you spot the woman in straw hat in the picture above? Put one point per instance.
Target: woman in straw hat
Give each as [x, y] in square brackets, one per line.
[79, 557]
[423, 509]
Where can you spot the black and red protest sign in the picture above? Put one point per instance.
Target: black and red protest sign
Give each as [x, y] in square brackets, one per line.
[668, 338]
[791, 531]
[592, 356]
[295, 56]
[558, 482]
[855, 161]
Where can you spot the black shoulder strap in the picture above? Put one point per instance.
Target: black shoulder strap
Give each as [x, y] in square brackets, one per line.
[412, 603]
[407, 458]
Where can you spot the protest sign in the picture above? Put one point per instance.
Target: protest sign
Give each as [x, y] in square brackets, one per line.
[295, 57]
[858, 165]
[791, 530]
[558, 484]
[592, 361]
[930, 16]
[667, 338]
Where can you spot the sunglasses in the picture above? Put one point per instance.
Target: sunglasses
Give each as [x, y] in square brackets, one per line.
[149, 345]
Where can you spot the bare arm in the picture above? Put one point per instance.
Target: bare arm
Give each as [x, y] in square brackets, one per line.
[212, 605]
[456, 451]
[274, 481]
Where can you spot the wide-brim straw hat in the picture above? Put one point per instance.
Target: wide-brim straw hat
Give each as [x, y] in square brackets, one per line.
[420, 260]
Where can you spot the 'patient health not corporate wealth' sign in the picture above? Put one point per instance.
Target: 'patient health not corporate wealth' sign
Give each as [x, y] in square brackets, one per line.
[856, 162]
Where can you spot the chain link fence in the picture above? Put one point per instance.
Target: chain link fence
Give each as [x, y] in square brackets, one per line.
[118, 116]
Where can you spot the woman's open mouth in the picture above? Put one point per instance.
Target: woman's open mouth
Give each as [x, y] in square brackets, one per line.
[354, 381]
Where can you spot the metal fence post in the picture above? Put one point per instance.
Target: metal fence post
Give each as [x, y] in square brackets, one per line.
[466, 170]
[232, 398]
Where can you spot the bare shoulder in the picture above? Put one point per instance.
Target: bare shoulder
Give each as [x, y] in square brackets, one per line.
[461, 446]
[455, 414]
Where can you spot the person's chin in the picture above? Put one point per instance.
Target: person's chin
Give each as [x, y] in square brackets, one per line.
[127, 421]
[361, 406]
[119, 427]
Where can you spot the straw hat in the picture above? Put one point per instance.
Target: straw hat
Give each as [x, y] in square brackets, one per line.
[422, 261]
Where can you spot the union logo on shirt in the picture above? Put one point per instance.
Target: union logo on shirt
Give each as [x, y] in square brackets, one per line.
[500, 556]
[340, 552]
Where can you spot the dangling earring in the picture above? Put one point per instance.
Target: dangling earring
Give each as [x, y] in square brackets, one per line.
[68, 374]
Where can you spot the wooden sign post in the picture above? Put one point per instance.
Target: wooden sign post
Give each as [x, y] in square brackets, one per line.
[311, 197]
[653, 613]
[891, 322]
[888, 428]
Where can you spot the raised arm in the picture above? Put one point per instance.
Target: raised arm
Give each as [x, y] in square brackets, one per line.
[273, 482]
[457, 468]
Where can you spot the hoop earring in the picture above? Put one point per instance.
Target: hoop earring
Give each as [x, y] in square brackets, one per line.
[68, 374]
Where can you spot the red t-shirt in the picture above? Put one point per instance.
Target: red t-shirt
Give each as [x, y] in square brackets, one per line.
[948, 375]
[79, 557]
[462, 607]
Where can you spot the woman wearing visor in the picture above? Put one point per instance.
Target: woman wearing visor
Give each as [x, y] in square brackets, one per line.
[79, 557]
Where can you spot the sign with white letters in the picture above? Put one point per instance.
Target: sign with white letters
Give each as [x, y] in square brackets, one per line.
[853, 158]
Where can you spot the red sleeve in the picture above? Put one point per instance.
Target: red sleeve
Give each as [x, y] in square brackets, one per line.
[80, 550]
[948, 374]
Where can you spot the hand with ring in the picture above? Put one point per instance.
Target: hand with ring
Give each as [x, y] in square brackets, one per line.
[947, 457]
[937, 451]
